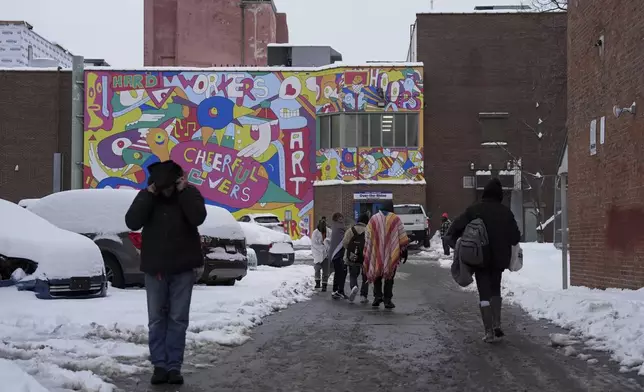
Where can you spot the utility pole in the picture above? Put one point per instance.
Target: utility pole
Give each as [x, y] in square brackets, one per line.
[76, 160]
[564, 229]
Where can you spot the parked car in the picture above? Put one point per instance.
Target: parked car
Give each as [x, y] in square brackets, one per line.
[53, 263]
[270, 221]
[272, 248]
[99, 214]
[225, 243]
[416, 222]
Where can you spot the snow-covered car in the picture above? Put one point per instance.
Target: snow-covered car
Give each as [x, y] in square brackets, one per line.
[99, 214]
[226, 259]
[416, 222]
[272, 248]
[270, 221]
[52, 262]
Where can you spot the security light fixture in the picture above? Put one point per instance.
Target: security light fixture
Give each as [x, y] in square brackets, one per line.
[472, 166]
[489, 167]
[509, 165]
[617, 111]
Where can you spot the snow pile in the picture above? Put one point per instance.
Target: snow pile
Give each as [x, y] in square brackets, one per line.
[220, 253]
[260, 235]
[77, 344]
[281, 248]
[14, 378]
[87, 211]
[432, 254]
[367, 182]
[304, 242]
[27, 202]
[220, 223]
[60, 254]
[303, 254]
[610, 320]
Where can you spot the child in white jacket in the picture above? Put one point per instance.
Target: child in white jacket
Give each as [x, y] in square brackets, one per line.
[320, 244]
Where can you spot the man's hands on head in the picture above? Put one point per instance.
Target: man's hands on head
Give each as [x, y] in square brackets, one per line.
[152, 189]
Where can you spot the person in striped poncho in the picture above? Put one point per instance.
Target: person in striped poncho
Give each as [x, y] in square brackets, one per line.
[385, 247]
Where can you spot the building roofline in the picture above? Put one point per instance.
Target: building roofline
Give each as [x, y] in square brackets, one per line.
[16, 22]
[261, 69]
[523, 13]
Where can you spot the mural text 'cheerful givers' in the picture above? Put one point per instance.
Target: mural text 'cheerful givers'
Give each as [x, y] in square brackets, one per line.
[245, 138]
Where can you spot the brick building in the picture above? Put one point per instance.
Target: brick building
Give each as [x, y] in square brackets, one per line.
[495, 81]
[211, 33]
[606, 180]
[29, 141]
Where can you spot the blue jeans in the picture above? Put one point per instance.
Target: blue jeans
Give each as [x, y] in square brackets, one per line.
[168, 316]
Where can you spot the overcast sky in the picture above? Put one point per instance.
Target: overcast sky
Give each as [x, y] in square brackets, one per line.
[113, 29]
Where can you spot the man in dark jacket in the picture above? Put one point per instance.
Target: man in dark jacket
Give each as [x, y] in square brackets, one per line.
[169, 211]
[445, 224]
[336, 255]
[503, 233]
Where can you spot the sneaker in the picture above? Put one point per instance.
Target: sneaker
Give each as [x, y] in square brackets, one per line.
[324, 287]
[376, 302]
[317, 284]
[160, 376]
[353, 294]
[343, 295]
[389, 305]
[336, 295]
[364, 299]
[175, 377]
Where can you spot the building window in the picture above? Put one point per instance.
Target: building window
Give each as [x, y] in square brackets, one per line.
[368, 130]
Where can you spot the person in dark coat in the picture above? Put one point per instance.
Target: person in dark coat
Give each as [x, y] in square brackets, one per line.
[169, 210]
[336, 255]
[503, 233]
[445, 223]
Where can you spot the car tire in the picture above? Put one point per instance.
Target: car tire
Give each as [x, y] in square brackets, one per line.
[229, 282]
[113, 268]
[426, 242]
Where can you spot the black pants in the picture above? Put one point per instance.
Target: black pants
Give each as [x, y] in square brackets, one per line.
[445, 248]
[488, 283]
[389, 288]
[354, 272]
[339, 274]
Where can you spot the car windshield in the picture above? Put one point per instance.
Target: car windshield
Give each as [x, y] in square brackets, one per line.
[267, 219]
[408, 210]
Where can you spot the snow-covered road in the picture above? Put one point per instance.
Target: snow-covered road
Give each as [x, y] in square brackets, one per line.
[82, 344]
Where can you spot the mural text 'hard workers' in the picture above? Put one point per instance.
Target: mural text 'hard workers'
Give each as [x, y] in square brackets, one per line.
[246, 139]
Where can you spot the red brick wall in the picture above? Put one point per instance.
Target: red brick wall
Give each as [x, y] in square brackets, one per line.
[490, 63]
[282, 28]
[261, 30]
[35, 123]
[606, 191]
[209, 33]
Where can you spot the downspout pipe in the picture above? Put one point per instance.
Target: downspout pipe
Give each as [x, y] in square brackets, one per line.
[242, 44]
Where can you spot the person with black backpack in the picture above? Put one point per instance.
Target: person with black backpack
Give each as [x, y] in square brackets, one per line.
[353, 242]
[487, 231]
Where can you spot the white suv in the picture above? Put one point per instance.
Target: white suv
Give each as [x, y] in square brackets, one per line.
[416, 222]
[270, 221]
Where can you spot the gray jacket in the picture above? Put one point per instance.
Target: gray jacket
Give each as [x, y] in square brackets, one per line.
[337, 234]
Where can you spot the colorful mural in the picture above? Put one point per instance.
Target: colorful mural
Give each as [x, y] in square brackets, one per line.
[370, 164]
[245, 139]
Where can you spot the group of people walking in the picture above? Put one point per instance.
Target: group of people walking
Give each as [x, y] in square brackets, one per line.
[482, 237]
[372, 249]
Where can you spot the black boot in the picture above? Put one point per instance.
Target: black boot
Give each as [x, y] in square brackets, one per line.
[175, 377]
[160, 376]
[389, 304]
[324, 287]
[317, 284]
[487, 316]
[376, 302]
[496, 303]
